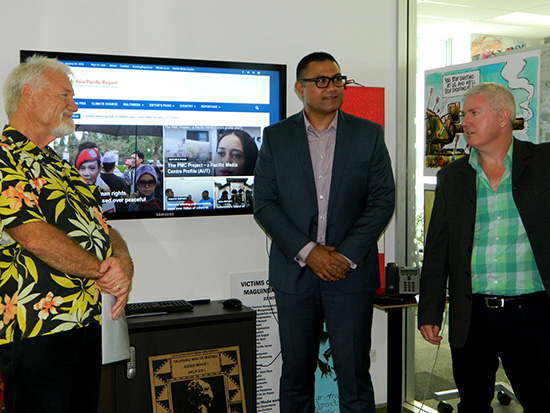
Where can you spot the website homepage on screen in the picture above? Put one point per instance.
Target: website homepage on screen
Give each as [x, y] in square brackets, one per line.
[198, 128]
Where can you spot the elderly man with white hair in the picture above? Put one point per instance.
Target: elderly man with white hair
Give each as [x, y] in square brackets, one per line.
[61, 252]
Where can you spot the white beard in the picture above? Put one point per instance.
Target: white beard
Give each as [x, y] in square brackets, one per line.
[64, 128]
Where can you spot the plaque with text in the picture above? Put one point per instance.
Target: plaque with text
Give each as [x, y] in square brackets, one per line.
[197, 381]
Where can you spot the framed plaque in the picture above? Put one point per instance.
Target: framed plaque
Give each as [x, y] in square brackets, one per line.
[198, 381]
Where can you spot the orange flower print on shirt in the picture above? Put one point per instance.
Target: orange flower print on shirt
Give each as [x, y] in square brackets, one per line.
[99, 216]
[37, 183]
[47, 305]
[9, 308]
[17, 195]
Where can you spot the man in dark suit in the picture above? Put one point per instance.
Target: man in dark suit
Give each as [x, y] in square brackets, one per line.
[488, 239]
[324, 192]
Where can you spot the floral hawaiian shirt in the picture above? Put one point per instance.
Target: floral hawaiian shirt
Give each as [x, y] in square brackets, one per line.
[37, 185]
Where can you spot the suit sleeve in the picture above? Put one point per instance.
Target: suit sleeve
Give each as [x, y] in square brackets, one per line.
[268, 210]
[378, 207]
[435, 269]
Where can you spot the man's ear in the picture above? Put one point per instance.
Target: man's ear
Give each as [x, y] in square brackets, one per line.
[504, 116]
[27, 96]
[299, 89]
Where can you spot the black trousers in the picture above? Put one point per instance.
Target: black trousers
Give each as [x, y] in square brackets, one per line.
[348, 317]
[55, 373]
[520, 336]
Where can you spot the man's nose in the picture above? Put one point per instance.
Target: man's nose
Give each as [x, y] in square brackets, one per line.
[331, 85]
[72, 105]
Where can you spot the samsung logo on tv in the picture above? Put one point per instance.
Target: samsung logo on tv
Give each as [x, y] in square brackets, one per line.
[164, 214]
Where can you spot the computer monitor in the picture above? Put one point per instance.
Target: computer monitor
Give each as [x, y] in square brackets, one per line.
[197, 124]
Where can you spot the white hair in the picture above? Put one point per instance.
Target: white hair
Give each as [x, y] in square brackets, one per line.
[498, 95]
[29, 73]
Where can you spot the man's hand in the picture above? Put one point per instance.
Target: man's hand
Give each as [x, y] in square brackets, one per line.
[116, 280]
[327, 264]
[431, 334]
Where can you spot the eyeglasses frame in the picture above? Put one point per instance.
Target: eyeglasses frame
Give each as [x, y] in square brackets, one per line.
[330, 79]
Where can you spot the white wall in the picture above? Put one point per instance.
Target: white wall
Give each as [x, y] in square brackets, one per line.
[192, 258]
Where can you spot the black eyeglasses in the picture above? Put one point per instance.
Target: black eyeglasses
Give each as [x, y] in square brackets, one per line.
[322, 82]
[146, 183]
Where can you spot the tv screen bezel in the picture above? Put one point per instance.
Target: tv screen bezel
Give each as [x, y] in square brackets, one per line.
[173, 61]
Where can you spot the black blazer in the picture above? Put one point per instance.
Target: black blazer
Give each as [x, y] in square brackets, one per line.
[361, 200]
[449, 240]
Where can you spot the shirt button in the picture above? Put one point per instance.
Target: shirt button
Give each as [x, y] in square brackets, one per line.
[320, 176]
[321, 157]
[322, 217]
[321, 197]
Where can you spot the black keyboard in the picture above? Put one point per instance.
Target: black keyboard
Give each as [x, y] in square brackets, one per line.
[158, 307]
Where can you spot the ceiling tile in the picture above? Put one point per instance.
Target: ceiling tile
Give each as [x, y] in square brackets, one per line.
[539, 10]
[448, 18]
[439, 29]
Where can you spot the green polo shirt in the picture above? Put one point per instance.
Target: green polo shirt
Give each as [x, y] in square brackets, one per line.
[502, 259]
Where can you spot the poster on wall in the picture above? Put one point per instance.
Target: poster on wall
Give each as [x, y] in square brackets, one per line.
[365, 102]
[429, 198]
[326, 386]
[368, 102]
[444, 90]
[253, 290]
[485, 46]
[198, 381]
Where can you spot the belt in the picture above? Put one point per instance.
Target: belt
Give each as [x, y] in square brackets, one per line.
[501, 301]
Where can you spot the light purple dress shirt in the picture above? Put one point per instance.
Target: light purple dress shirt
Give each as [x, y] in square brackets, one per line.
[321, 150]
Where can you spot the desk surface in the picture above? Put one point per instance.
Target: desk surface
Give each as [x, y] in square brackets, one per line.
[387, 304]
[212, 311]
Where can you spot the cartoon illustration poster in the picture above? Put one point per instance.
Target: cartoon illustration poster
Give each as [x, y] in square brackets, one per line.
[444, 90]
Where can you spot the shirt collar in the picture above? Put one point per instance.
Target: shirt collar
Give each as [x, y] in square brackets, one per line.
[21, 142]
[310, 128]
[474, 157]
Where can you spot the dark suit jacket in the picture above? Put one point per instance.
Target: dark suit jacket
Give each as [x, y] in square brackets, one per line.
[450, 236]
[360, 205]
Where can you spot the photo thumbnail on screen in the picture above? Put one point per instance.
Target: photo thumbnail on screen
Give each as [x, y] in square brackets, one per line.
[211, 151]
[127, 168]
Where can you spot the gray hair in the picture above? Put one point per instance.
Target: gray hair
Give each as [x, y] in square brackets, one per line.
[499, 97]
[29, 73]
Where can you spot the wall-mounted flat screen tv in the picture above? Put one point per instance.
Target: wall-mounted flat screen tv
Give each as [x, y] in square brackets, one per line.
[174, 137]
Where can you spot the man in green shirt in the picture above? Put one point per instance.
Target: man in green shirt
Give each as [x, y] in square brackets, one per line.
[56, 254]
[488, 242]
